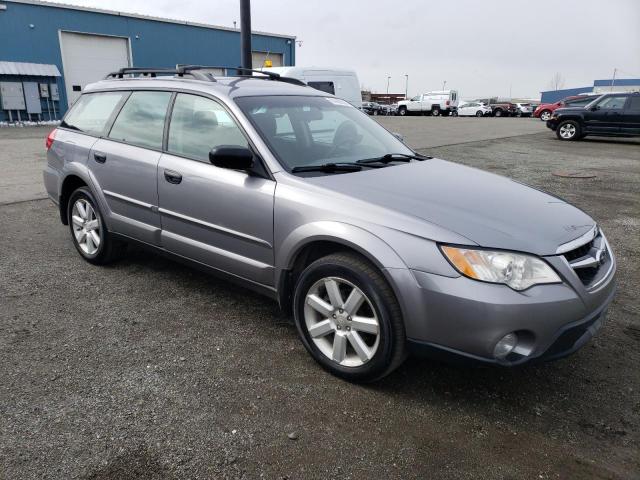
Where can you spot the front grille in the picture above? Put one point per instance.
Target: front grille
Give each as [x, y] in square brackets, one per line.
[578, 252]
[596, 249]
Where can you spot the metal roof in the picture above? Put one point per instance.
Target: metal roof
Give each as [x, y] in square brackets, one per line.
[32, 69]
[140, 16]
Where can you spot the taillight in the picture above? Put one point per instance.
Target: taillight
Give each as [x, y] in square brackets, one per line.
[50, 138]
[447, 103]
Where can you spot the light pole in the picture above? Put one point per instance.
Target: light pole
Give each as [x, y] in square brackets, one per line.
[444, 84]
[406, 86]
[388, 78]
[245, 33]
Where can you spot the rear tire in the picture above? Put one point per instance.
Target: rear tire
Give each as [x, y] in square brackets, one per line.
[359, 348]
[478, 113]
[569, 130]
[435, 112]
[89, 233]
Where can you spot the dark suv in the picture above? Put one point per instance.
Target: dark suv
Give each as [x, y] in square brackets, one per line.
[615, 114]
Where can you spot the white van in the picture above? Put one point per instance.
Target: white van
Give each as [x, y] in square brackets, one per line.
[341, 83]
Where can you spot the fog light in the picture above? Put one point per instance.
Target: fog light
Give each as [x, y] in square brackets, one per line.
[506, 345]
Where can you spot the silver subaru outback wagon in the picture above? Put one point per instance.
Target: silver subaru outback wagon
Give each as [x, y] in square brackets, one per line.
[377, 250]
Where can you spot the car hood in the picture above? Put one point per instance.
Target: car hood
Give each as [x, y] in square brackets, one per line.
[488, 209]
[565, 110]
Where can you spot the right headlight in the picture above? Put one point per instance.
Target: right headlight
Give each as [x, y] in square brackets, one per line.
[517, 270]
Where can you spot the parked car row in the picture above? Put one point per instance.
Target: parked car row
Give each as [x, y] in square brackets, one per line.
[545, 110]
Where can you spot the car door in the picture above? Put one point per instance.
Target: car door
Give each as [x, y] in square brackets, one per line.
[219, 217]
[124, 165]
[605, 116]
[415, 103]
[631, 115]
[465, 109]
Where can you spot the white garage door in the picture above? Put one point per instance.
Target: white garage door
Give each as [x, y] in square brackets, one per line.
[89, 58]
[258, 59]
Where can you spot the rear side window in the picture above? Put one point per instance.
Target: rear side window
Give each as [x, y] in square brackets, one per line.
[141, 120]
[580, 102]
[198, 125]
[91, 113]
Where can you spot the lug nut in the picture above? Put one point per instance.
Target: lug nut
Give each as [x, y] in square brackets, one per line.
[349, 328]
[341, 311]
[334, 315]
[349, 318]
[338, 327]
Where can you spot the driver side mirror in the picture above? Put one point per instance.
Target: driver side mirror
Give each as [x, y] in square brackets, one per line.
[232, 157]
[594, 108]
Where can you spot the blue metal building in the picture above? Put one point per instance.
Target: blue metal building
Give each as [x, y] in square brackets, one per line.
[85, 44]
[599, 86]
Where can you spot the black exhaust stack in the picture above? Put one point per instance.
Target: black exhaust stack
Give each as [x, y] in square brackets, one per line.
[245, 33]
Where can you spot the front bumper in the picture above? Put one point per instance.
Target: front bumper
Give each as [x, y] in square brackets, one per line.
[552, 124]
[456, 317]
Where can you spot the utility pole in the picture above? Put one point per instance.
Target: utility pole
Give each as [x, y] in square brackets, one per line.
[388, 78]
[245, 33]
[406, 86]
[614, 78]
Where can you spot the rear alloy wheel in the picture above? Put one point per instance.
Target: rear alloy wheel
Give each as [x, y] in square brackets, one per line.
[435, 112]
[568, 130]
[545, 115]
[88, 231]
[348, 318]
[478, 113]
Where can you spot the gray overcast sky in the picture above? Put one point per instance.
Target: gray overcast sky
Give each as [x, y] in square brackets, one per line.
[481, 48]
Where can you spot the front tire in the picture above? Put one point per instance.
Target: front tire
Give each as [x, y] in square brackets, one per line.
[569, 130]
[402, 111]
[498, 113]
[545, 115]
[349, 319]
[89, 233]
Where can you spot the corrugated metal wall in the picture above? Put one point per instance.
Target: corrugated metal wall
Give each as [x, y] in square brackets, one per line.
[30, 33]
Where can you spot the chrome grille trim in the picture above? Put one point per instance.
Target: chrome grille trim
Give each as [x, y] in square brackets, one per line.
[578, 242]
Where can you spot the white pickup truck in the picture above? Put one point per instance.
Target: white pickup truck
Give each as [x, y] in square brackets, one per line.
[441, 102]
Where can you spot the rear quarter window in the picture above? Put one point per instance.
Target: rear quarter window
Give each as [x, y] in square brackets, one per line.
[91, 113]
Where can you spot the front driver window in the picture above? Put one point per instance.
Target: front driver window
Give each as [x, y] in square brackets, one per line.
[199, 124]
[613, 103]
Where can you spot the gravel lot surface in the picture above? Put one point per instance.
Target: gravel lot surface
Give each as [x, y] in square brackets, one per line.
[147, 369]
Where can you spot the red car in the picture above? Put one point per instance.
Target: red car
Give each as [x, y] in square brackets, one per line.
[544, 110]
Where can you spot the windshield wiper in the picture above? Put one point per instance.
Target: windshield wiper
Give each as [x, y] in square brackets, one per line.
[394, 157]
[70, 127]
[328, 167]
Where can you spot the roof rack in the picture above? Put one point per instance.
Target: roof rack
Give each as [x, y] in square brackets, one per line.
[194, 71]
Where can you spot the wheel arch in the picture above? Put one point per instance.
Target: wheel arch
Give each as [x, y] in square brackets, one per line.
[310, 242]
[69, 184]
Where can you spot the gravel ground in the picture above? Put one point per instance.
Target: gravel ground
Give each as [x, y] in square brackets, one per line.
[147, 369]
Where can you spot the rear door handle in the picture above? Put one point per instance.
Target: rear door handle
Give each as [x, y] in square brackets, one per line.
[99, 157]
[172, 177]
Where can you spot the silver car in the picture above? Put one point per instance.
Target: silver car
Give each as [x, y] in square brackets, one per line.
[377, 251]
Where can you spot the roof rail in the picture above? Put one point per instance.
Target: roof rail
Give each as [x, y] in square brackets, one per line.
[193, 71]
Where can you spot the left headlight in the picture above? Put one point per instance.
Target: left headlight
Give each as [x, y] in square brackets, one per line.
[516, 270]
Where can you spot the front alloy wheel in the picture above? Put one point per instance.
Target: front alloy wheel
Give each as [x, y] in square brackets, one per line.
[348, 318]
[545, 115]
[344, 330]
[568, 130]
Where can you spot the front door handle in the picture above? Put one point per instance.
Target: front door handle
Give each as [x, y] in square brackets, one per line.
[172, 177]
[99, 157]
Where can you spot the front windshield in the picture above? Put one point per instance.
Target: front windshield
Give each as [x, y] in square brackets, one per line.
[304, 131]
